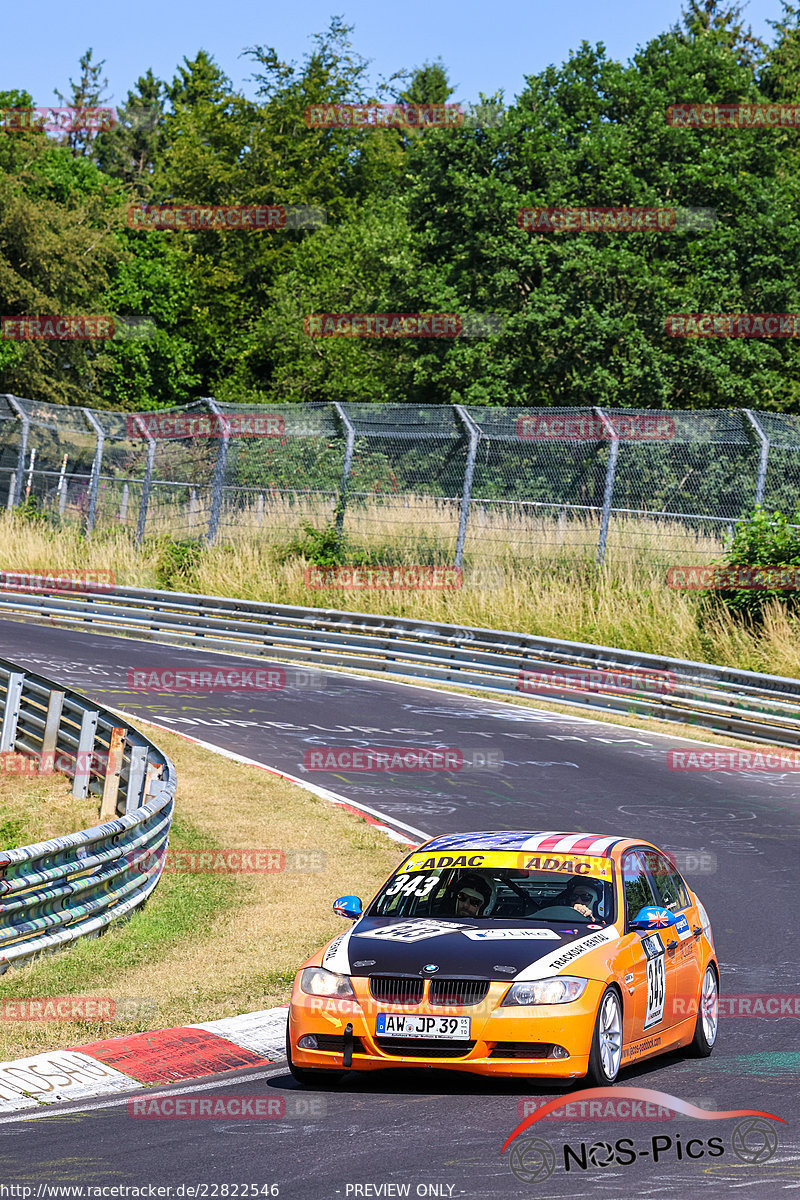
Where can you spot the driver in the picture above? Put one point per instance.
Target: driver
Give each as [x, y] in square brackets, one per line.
[584, 895]
[473, 896]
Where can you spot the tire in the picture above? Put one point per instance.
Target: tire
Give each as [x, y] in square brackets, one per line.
[605, 1056]
[707, 1024]
[309, 1075]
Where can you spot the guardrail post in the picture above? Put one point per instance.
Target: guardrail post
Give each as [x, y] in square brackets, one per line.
[763, 454]
[83, 761]
[136, 774]
[473, 433]
[218, 485]
[152, 776]
[94, 480]
[608, 492]
[116, 749]
[51, 726]
[23, 449]
[8, 730]
[349, 446]
[147, 482]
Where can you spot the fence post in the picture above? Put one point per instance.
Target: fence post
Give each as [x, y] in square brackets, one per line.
[116, 749]
[8, 729]
[763, 455]
[218, 484]
[136, 774]
[350, 436]
[23, 449]
[30, 472]
[52, 724]
[608, 493]
[147, 482]
[83, 758]
[473, 433]
[94, 481]
[61, 490]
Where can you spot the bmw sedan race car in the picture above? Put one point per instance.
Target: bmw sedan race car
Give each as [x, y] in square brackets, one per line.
[548, 955]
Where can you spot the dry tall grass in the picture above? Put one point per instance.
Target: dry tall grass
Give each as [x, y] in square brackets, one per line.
[536, 575]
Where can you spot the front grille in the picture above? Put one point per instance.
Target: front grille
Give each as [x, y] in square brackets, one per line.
[335, 1042]
[522, 1050]
[457, 991]
[424, 1047]
[396, 989]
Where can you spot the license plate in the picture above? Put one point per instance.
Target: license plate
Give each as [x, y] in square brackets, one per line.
[393, 1025]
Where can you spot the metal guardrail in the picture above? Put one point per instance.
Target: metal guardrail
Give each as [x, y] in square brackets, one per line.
[759, 708]
[74, 886]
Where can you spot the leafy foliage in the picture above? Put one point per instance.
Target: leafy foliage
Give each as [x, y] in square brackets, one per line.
[416, 222]
[765, 540]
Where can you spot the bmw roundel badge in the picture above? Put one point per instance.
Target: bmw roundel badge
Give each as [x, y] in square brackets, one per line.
[430, 968]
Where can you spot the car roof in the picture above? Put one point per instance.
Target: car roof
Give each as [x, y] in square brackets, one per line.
[557, 842]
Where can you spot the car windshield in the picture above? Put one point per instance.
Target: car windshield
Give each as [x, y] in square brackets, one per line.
[499, 893]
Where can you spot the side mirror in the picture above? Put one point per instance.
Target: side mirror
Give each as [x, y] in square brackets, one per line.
[651, 918]
[348, 906]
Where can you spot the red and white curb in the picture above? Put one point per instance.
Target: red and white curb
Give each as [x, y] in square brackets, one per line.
[126, 1064]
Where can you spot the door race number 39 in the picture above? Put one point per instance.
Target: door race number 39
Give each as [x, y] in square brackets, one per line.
[656, 979]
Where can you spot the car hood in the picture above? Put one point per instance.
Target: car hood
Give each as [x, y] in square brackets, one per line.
[462, 949]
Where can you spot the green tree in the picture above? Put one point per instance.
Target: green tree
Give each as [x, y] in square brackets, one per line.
[85, 93]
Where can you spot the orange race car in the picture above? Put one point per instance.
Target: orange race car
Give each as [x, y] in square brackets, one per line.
[554, 955]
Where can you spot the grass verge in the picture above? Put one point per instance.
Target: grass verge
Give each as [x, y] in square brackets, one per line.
[209, 945]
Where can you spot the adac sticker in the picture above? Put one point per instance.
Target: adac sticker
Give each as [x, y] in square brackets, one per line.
[560, 864]
[682, 927]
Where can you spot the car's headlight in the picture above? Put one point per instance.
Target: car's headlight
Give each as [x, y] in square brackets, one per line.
[316, 981]
[546, 991]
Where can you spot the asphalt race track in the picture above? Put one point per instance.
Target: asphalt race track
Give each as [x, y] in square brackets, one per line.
[438, 1134]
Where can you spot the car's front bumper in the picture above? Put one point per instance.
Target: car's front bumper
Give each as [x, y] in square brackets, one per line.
[504, 1041]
